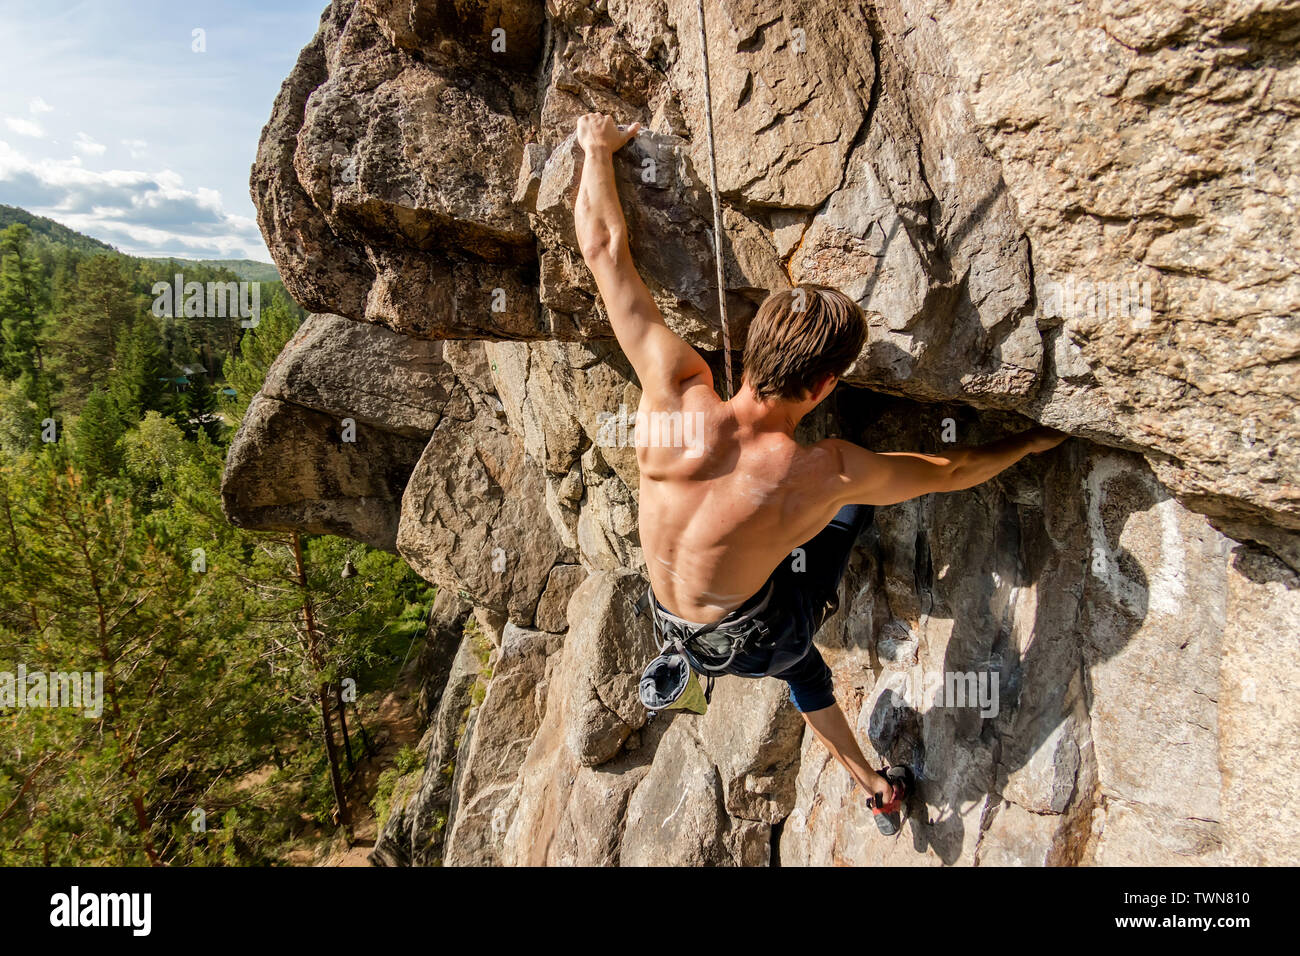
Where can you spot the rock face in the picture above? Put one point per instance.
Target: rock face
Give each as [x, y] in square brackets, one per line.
[1077, 215]
[329, 442]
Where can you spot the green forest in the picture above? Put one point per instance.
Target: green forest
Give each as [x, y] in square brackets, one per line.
[232, 662]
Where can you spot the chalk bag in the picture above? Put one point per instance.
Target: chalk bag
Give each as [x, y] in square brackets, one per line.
[668, 683]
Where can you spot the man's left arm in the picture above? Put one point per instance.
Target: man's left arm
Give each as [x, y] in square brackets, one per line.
[665, 364]
[885, 478]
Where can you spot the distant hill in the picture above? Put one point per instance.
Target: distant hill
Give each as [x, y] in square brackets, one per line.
[51, 231]
[247, 270]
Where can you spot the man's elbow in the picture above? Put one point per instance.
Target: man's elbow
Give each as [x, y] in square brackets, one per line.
[956, 479]
[602, 244]
[592, 246]
[961, 472]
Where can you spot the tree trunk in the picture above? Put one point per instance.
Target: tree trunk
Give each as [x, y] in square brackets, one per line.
[322, 692]
[343, 725]
[125, 747]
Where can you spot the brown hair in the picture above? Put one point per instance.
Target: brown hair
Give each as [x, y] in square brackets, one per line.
[798, 337]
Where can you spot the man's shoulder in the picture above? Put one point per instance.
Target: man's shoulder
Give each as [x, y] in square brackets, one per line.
[825, 457]
[842, 457]
[817, 472]
[668, 394]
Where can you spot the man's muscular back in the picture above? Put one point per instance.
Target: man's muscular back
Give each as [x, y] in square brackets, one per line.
[722, 501]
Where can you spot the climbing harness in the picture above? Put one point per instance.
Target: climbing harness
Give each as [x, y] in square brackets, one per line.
[668, 681]
[717, 204]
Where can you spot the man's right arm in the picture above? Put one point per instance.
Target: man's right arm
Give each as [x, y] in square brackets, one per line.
[884, 478]
[664, 363]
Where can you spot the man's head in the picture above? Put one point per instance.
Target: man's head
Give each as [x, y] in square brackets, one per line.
[801, 341]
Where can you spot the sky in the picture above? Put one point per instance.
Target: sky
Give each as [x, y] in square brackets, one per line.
[118, 120]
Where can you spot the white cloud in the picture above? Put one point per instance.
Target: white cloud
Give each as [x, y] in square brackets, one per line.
[25, 127]
[143, 213]
[90, 147]
[136, 146]
[38, 105]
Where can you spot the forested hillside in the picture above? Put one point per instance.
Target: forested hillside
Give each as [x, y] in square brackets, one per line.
[47, 230]
[230, 661]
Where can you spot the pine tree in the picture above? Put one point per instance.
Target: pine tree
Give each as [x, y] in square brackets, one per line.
[224, 652]
[106, 598]
[258, 348]
[136, 382]
[24, 299]
[101, 307]
[197, 409]
[19, 418]
[95, 437]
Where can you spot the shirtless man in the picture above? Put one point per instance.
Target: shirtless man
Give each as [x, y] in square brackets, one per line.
[727, 499]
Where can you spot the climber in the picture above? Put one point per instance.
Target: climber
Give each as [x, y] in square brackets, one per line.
[746, 532]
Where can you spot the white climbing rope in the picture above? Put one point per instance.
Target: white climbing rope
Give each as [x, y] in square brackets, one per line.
[717, 204]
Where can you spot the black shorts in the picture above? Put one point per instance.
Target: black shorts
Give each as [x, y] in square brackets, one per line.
[778, 623]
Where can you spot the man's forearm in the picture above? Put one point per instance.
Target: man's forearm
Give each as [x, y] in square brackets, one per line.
[972, 466]
[598, 217]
